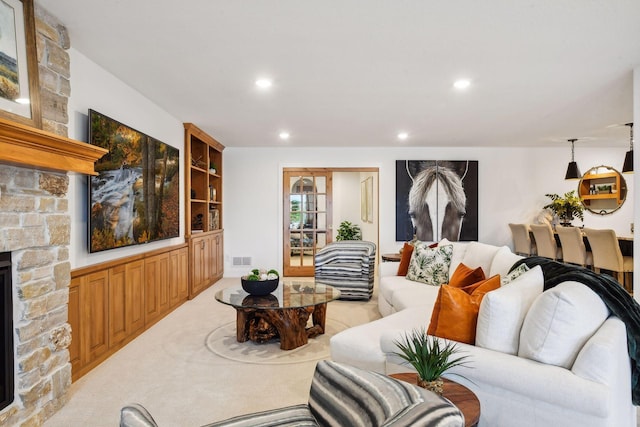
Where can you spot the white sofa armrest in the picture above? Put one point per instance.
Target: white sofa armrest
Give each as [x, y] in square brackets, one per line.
[389, 268]
[488, 369]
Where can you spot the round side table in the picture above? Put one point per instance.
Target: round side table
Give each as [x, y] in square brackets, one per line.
[459, 395]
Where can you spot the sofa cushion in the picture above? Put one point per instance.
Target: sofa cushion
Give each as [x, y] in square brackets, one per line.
[407, 251]
[502, 262]
[459, 248]
[455, 312]
[559, 323]
[430, 265]
[479, 255]
[464, 276]
[503, 311]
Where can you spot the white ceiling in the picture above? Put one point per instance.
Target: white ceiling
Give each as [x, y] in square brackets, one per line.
[356, 72]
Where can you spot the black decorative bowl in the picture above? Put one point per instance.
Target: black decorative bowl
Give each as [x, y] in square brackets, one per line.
[260, 287]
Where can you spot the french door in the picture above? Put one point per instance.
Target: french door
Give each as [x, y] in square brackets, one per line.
[307, 218]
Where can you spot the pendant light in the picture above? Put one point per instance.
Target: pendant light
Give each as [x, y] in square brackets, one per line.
[572, 169]
[628, 158]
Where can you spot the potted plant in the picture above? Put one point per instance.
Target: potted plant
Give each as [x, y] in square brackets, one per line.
[430, 356]
[349, 231]
[567, 207]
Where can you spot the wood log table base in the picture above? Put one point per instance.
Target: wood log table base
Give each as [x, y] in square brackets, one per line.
[288, 324]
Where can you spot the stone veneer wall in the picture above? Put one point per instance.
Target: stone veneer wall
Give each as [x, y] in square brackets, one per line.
[35, 227]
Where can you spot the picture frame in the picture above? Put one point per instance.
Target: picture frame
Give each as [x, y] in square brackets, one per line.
[366, 199]
[369, 191]
[363, 200]
[19, 82]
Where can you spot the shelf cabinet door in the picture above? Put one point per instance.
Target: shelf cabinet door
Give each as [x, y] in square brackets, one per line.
[117, 305]
[94, 294]
[156, 290]
[179, 282]
[217, 255]
[199, 265]
[134, 298]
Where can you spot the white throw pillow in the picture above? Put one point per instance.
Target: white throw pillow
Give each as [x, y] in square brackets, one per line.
[502, 261]
[479, 255]
[560, 322]
[503, 311]
[430, 265]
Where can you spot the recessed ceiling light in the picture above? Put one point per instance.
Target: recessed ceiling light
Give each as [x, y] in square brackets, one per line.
[284, 135]
[264, 83]
[403, 135]
[462, 84]
[23, 100]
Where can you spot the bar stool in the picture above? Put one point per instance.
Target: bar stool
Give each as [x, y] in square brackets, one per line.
[546, 242]
[522, 243]
[574, 250]
[608, 256]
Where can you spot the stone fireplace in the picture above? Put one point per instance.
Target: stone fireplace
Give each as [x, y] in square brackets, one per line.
[35, 229]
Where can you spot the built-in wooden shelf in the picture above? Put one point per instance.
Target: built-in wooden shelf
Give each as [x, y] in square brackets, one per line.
[26, 146]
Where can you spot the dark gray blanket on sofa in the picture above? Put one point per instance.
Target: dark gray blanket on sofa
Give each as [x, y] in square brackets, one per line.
[615, 297]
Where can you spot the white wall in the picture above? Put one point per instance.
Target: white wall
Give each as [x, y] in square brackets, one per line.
[94, 88]
[346, 199]
[512, 187]
[512, 181]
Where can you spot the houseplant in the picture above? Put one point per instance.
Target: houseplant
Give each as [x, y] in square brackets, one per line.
[349, 231]
[260, 282]
[567, 207]
[430, 356]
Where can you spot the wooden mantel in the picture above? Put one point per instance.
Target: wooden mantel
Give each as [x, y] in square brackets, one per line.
[26, 146]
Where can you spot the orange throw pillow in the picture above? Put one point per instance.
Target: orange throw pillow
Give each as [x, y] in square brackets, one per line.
[407, 250]
[455, 313]
[464, 276]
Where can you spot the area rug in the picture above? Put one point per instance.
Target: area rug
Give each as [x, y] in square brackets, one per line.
[222, 342]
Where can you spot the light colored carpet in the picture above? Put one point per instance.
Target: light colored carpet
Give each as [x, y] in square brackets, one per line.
[222, 342]
[179, 372]
[172, 370]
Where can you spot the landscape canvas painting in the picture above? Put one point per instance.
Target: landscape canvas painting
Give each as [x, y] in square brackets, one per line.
[135, 198]
[9, 82]
[436, 199]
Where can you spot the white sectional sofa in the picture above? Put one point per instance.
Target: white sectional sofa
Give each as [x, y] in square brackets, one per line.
[562, 361]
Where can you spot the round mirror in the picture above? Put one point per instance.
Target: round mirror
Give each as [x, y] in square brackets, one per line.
[602, 190]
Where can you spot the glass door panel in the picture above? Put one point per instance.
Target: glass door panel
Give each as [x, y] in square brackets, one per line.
[306, 218]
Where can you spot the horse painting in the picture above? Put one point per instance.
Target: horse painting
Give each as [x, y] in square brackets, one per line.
[435, 201]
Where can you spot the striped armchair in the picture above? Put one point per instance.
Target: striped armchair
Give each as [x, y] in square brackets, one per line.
[347, 265]
[342, 395]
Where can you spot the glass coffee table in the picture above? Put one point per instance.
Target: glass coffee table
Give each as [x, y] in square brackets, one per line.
[283, 314]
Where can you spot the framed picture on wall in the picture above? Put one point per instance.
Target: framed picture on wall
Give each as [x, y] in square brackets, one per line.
[363, 201]
[369, 192]
[437, 199]
[19, 85]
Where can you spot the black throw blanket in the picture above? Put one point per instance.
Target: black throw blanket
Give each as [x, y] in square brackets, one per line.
[615, 297]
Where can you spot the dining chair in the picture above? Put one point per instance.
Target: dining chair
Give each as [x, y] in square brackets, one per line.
[608, 256]
[574, 250]
[522, 243]
[545, 242]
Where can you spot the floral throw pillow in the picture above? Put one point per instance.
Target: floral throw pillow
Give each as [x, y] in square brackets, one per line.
[513, 275]
[430, 265]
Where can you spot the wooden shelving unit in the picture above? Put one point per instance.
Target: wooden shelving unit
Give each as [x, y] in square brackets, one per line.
[204, 208]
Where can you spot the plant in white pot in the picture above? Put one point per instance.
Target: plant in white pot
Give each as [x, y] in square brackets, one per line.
[430, 357]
